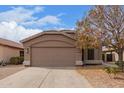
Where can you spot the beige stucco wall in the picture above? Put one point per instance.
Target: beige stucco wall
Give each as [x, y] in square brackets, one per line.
[43, 39]
[1, 52]
[7, 52]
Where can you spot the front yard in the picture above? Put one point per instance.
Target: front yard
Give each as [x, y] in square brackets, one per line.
[9, 70]
[99, 78]
[95, 74]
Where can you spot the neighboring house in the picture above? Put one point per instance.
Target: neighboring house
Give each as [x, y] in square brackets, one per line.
[57, 48]
[9, 49]
[109, 55]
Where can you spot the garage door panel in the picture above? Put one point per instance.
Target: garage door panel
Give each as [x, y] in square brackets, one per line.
[53, 57]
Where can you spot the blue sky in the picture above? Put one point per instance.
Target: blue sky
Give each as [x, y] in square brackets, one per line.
[29, 20]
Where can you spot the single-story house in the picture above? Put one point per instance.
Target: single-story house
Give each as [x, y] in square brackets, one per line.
[57, 48]
[109, 55]
[9, 49]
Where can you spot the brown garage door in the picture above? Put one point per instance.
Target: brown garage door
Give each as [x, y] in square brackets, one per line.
[53, 57]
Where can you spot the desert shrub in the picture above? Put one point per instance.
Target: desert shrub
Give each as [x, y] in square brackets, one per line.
[21, 59]
[16, 60]
[120, 64]
[111, 70]
[3, 63]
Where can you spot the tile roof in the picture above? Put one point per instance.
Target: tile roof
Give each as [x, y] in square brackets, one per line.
[64, 32]
[9, 43]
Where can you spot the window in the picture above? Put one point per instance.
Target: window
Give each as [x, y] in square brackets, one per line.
[21, 53]
[90, 54]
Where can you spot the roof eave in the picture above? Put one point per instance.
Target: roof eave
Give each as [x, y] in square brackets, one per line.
[47, 32]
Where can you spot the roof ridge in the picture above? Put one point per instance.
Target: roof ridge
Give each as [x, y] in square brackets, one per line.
[68, 35]
[46, 32]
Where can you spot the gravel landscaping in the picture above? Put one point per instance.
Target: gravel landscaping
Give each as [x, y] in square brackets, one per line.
[9, 70]
[99, 78]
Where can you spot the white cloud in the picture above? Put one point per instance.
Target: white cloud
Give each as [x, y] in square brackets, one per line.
[38, 9]
[25, 16]
[20, 14]
[49, 19]
[44, 20]
[61, 14]
[15, 32]
[13, 22]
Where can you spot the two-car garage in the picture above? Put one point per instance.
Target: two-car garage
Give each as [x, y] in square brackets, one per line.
[53, 57]
[51, 49]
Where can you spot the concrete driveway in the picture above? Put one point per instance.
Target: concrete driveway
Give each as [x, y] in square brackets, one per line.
[36, 77]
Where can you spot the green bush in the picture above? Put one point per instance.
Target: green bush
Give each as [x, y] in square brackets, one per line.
[120, 64]
[21, 59]
[16, 60]
[111, 70]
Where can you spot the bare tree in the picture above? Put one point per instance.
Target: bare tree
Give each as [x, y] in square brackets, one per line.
[108, 21]
[86, 38]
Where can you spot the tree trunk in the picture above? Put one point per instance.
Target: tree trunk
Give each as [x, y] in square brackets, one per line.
[120, 59]
[120, 55]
